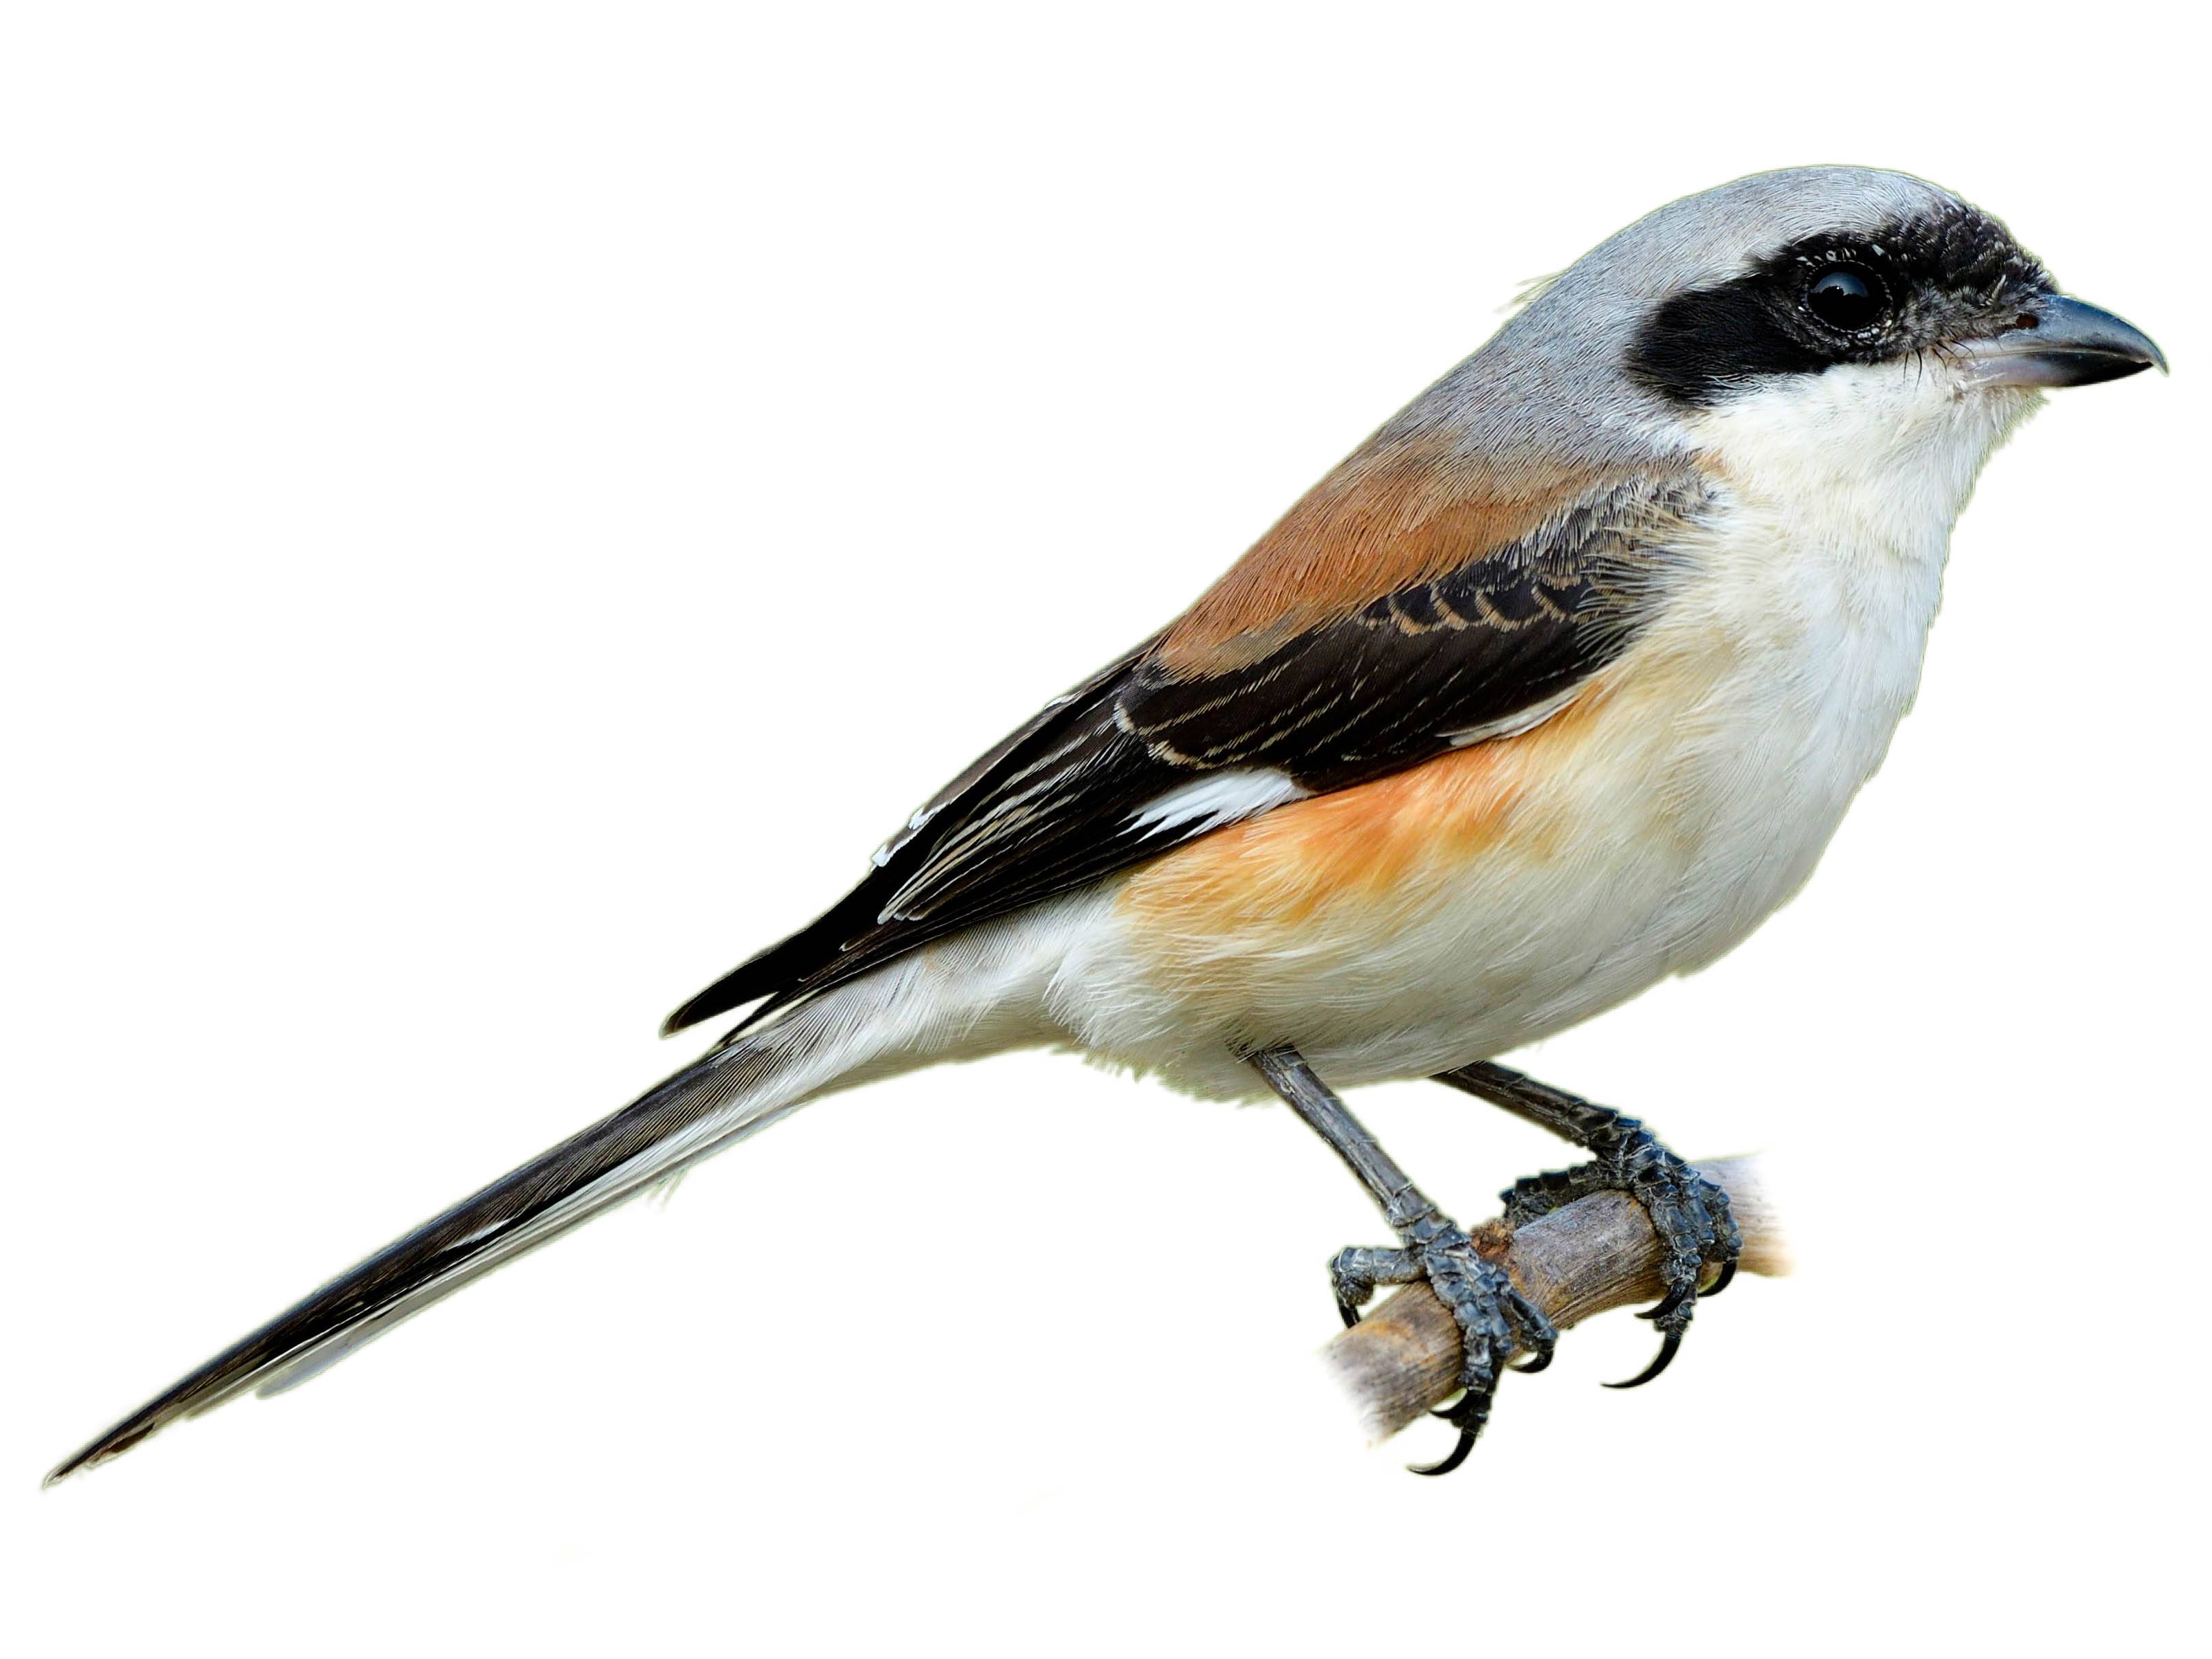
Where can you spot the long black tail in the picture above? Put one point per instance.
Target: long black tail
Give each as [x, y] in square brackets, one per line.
[702, 1109]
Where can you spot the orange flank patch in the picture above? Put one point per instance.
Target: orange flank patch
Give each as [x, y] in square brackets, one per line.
[1404, 509]
[1370, 849]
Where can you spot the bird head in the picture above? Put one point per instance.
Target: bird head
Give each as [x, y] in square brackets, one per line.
[1817, 328]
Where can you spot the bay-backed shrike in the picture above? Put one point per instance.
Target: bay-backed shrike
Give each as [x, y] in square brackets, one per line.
[1559, 685]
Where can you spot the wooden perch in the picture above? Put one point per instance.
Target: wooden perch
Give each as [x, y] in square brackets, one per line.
[1597, 1253]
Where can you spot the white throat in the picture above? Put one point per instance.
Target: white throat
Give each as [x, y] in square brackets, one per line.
[1877, 459]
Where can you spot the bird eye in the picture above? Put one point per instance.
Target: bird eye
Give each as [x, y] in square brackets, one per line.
[1847, 297]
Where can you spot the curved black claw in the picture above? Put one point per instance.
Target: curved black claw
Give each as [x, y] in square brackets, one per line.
[1348, 1313]
[1689, 1213]
[1494, 1319]
[1668, 1349]
[1452, 1459]
[1667, 1304]
[1540, 1360]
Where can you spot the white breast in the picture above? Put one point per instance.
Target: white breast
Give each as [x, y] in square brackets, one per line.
[1787, 662]
[1818, 591]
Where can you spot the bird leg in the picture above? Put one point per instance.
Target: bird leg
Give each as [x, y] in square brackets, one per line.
[1689, 1213]
[1493, 1317]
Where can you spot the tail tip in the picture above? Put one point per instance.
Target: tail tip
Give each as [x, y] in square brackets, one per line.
[95, 1452]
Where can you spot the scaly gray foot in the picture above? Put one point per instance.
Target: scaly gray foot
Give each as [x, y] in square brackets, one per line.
[1494, 1319]
[1689, 1213]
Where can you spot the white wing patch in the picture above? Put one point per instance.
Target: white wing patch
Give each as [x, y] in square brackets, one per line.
[1207, 803]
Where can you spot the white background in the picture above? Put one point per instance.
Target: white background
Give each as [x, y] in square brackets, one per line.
[506, 506]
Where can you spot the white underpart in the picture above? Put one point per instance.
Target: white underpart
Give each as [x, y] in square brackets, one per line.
[1220, 798]
[1736, 730]
[1740, 726]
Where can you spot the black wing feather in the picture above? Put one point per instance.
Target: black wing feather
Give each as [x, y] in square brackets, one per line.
[1414, 673]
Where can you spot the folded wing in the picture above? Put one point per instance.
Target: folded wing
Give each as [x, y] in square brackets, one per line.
[1248, 703]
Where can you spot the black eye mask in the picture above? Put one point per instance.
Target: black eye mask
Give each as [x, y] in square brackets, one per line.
[1912, 287]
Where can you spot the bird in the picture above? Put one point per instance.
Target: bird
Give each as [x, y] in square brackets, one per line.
[1556, 687]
